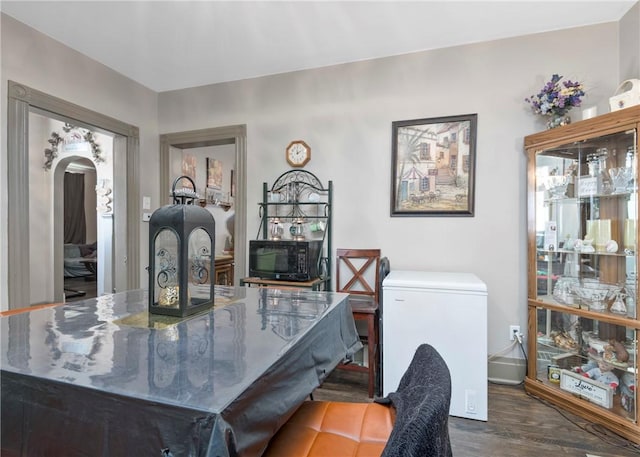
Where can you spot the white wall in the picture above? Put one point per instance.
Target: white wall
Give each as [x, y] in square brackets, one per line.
[33, 59]
[40, 214]
[630, 44]
[345, 112]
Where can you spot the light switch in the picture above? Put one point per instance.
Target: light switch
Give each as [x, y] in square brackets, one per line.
[146, 202]
[146, 217]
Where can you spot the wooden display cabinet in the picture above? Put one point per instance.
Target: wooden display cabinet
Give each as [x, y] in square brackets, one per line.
[583, 324]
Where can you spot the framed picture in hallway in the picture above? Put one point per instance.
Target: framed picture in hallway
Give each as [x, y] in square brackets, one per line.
[214, 174]
[188, 169]
[433, 166]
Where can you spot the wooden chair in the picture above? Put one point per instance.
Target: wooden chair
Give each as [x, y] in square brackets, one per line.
[358, 274]
[385, 269]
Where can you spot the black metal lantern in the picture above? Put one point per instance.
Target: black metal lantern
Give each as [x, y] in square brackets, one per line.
[181, 256]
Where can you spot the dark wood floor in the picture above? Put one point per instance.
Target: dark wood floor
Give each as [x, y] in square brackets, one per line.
[518, 425]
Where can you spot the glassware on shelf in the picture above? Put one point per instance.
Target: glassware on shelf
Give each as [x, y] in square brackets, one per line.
[276, 229]
[293, 192]
[630, 164]
[569, 243]
[584, 246]
[630, 289]
[564, 291]
[556, 185]
[619, 307]
[276, 196]
[297, 229]
[597, 163]
[621, 177]
[595, 295]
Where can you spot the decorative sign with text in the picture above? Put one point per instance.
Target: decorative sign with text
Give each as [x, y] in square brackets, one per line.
[591, 390]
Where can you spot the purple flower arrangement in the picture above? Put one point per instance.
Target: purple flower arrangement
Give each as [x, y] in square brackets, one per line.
[556, 98]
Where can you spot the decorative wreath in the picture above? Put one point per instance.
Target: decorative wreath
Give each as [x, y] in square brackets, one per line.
[51, 153]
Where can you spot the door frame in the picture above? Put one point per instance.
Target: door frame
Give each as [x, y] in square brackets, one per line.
[21, 101]
[216, 136]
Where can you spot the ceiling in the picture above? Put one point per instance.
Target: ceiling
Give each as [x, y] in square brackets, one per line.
[167, 45]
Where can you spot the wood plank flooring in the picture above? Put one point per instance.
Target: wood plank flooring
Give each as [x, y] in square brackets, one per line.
[518, 425]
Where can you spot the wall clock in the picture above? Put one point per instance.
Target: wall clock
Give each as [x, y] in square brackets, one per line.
[298, 153]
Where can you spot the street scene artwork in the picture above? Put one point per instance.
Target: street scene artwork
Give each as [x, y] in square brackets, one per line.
[434, 166]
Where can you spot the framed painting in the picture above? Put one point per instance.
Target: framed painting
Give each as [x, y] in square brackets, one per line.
[188, 169]
[214, 174]
[433, 166]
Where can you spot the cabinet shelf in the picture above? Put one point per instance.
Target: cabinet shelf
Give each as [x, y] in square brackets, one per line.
[594, 253]
[552, 392]
[606, 316]
[587, 199]
[582, 309]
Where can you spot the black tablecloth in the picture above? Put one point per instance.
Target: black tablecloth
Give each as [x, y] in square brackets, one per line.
[103, 378]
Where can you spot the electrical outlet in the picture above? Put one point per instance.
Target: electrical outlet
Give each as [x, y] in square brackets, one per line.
[470, 401]
[514, 330]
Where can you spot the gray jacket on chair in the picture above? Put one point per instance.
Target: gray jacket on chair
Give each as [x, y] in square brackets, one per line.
[422, 403]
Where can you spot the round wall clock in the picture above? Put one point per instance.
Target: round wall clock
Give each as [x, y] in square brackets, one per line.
[298, 153]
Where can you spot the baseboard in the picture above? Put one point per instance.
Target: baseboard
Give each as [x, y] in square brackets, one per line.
[506, 370]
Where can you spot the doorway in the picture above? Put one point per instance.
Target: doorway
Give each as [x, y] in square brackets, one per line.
[81, 261]
[231, 136]
[124, 271]
[66, 163]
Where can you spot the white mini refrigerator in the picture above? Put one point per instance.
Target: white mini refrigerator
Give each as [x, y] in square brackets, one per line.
[449, 312]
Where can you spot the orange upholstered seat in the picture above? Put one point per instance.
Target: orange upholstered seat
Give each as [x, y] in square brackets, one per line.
[413, 421]
[321, 429]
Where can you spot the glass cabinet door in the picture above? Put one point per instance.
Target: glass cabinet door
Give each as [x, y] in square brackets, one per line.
[591, 359]
[585, 224]
[586, 210]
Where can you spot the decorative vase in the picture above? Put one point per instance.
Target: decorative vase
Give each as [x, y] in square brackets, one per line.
[556, 120]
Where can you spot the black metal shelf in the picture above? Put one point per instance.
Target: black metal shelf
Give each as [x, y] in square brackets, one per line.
[297, 187]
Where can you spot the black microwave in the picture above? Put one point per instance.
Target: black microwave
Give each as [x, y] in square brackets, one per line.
[286, 260]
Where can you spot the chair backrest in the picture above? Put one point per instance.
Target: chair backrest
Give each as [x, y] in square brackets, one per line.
[385, 269]
[358, 272]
